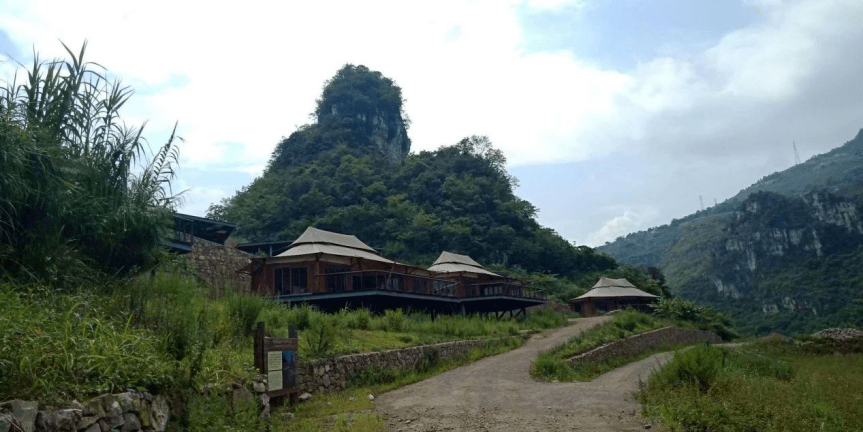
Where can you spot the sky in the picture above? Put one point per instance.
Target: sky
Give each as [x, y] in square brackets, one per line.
[615, 116]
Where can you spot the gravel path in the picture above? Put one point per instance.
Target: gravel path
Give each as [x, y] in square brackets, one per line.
[498, 394]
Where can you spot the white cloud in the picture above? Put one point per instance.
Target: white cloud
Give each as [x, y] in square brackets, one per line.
[252, 73]
[631, 220]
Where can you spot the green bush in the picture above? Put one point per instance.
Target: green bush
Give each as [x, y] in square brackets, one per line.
[222, 413]
[698, 366]
[323, 334]
[394, 320]
[244, 312]
[359, 319]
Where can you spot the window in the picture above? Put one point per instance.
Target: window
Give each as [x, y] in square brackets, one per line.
[335, 278]
[288, 280]
[299, 280]
[277, 279]
[395, 283]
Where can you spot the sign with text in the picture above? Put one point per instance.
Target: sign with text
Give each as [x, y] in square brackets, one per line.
[277, 359]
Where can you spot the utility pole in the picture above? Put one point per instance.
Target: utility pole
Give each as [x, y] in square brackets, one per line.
[796, 156]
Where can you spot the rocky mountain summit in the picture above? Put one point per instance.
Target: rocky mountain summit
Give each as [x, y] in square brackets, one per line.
[359, 108]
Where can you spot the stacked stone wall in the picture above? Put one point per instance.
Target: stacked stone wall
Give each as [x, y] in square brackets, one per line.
[217, 265]
[644, 341]
[334, 374]
[130, 411]
[133, 411]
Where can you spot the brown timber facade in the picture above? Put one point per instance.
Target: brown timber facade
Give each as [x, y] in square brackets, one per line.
[333, 271]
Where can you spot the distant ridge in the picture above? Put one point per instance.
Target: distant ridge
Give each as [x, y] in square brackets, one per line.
[737, 255]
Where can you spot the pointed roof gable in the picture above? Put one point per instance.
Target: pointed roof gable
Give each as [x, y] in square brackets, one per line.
[314, 235]
[607, 287]
[315, 241]
[449, 262]
[607, 282]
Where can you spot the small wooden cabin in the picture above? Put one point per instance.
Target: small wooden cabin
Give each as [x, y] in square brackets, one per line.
[611, 294]
[472, 279]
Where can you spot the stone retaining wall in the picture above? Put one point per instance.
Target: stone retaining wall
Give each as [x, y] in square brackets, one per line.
[333, 374]
[130, 411]
[133, 411]
[218, 264]
[645, 341]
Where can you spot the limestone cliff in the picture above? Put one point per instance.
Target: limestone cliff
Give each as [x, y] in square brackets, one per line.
[360, 109]
[779, 255]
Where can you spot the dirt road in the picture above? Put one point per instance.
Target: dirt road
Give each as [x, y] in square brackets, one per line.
[498, 394]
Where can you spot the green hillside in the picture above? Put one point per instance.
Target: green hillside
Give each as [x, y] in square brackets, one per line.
[348, 173]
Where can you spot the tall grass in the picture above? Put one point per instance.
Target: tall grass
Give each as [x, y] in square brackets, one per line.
[56, 348]
[81, 190]
[552, 364]
[775, 386]
[161, 330]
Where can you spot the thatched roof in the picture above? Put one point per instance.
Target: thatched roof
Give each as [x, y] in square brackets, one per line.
[606, 288]
[315, 241]
[449, 262]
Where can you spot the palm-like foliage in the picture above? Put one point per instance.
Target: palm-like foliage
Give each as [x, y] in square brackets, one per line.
[76, 186]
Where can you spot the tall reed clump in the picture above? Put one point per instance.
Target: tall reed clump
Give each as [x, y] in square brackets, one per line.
[80, 189]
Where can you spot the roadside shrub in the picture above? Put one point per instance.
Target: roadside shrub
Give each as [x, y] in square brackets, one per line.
[371, 376]
[323, 334]
[221, 413]
[548, 366]
[698, 366]
[172, 305]
[630, 320]
[544, 319]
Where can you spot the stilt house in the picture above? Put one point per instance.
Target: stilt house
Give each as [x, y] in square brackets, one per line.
[333, 271]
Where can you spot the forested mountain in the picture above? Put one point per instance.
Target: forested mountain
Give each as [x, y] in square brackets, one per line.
[783, 254]
[351, 172]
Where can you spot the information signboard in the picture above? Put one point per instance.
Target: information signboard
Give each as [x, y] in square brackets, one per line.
[277, 359]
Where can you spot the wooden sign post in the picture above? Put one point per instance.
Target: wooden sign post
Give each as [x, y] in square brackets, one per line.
[277, 359]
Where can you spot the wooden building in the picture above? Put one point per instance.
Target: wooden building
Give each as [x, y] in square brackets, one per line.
[611, 294]
[333, 271]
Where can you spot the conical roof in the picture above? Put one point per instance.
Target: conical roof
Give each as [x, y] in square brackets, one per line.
[449, 262]
[607, 287]
[314, 241]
